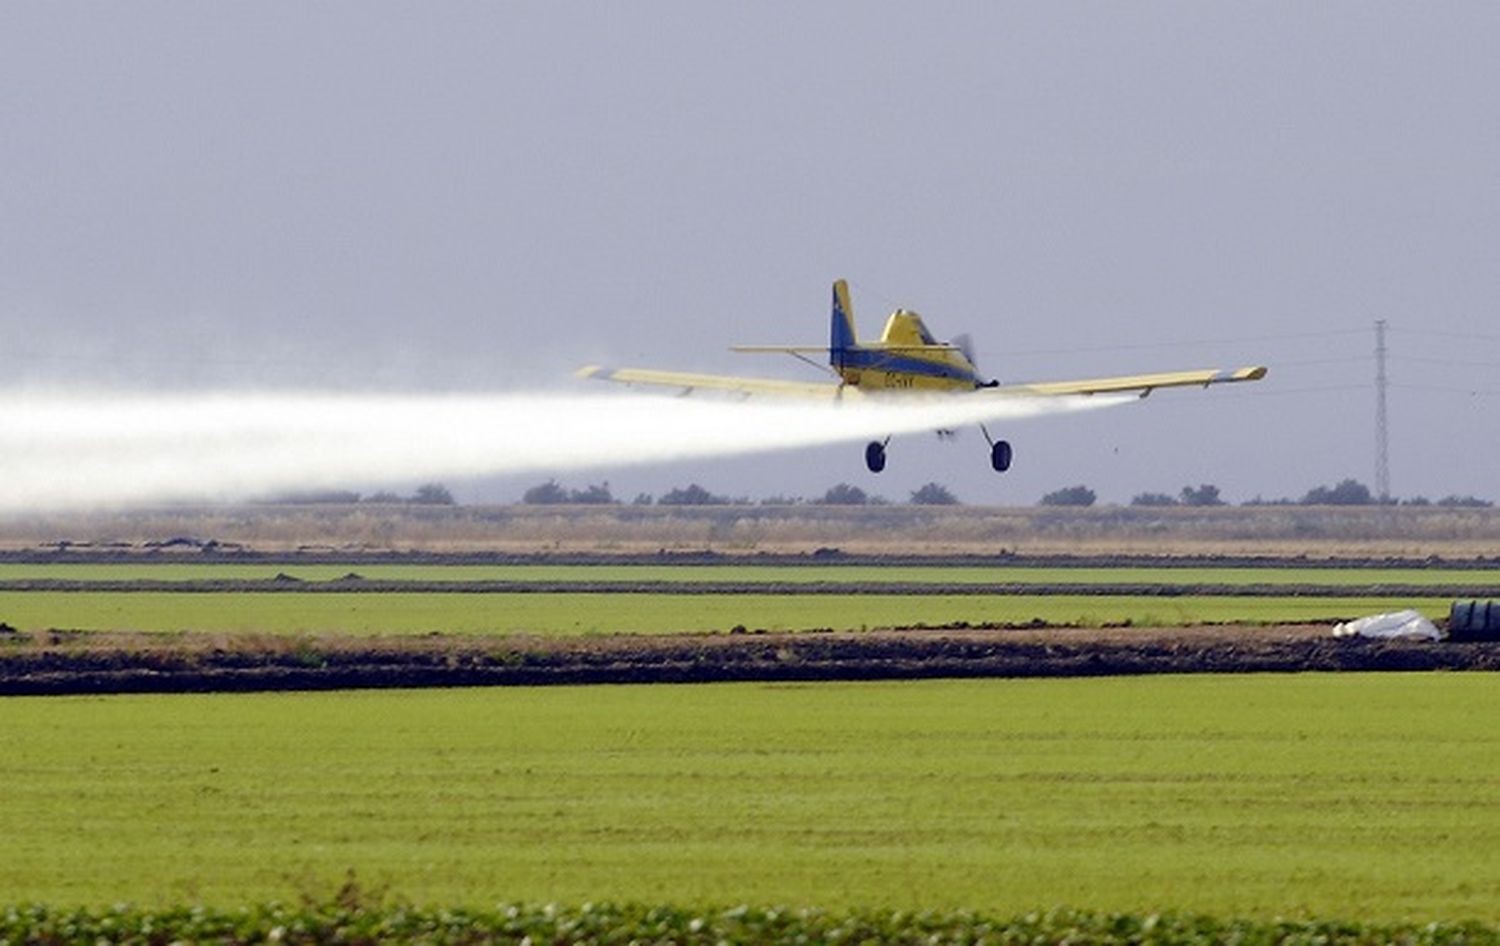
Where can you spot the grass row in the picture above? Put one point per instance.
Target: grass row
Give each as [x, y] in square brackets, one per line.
[346, 922]
[571, 614]
[1365, 796]
[750, 573]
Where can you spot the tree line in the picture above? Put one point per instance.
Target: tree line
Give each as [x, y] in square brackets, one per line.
[840, 494]
[1347, 492]
[428, 494]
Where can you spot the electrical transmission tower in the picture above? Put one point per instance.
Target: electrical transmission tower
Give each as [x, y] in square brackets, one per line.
[1382, 442]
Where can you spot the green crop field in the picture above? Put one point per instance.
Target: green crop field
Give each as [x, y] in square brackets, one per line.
[752, 573]
[562, 613]
[1371, 797]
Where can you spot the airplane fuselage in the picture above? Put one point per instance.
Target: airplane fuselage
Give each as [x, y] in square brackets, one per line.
[906, 358]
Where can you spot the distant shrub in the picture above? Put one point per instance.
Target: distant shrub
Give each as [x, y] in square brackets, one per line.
[1205, 494]
[691, 495]
[432, 494]
[1153, 499]
[314, 497]
[550, 493]
[1472, 502]
[1347, 493]
[1070, 496]
[933, 494]
[843, 494]
[545, 494]
[595, 495]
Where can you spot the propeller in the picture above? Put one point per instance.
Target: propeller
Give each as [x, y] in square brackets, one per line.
[965, 344]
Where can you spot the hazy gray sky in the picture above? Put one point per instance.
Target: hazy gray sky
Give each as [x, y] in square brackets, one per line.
[482, 196]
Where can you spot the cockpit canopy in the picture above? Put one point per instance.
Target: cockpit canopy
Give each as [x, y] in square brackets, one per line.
[906, 328]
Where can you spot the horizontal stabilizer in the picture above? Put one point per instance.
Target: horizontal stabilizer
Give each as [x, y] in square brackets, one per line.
[689, 382]
[779, 349]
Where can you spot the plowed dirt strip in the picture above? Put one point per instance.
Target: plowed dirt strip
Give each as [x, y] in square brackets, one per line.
[891, 588]
[58, 664]
[192, 552]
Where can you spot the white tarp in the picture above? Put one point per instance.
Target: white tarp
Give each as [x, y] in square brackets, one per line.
[1406, 625]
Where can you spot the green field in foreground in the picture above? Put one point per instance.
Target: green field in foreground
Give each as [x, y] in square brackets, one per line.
[1368, 796]
[562, 613]
[756, 573]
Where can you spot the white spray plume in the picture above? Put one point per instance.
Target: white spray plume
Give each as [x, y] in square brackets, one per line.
[88, 450]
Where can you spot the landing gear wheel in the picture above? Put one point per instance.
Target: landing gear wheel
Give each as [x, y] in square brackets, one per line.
[1000, 456]
[875, 456]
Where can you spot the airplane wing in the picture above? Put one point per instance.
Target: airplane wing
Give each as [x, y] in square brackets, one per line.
[823, 350]
[1144, 383]
[689, 382]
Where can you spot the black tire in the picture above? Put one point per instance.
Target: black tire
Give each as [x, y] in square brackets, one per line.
[875, 456]
[1000, 455]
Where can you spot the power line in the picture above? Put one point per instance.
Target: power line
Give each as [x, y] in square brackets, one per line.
[1448, 389]
[1456, 362]
[1320, 361]
[1481, 336]
[1183, 343]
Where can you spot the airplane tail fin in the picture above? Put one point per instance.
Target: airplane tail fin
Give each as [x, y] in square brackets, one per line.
[841, 335]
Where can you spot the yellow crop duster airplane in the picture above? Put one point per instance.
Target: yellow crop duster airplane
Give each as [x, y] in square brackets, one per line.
[907, 359]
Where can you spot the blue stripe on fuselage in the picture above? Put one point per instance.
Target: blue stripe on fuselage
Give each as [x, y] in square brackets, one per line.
[874, 358]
